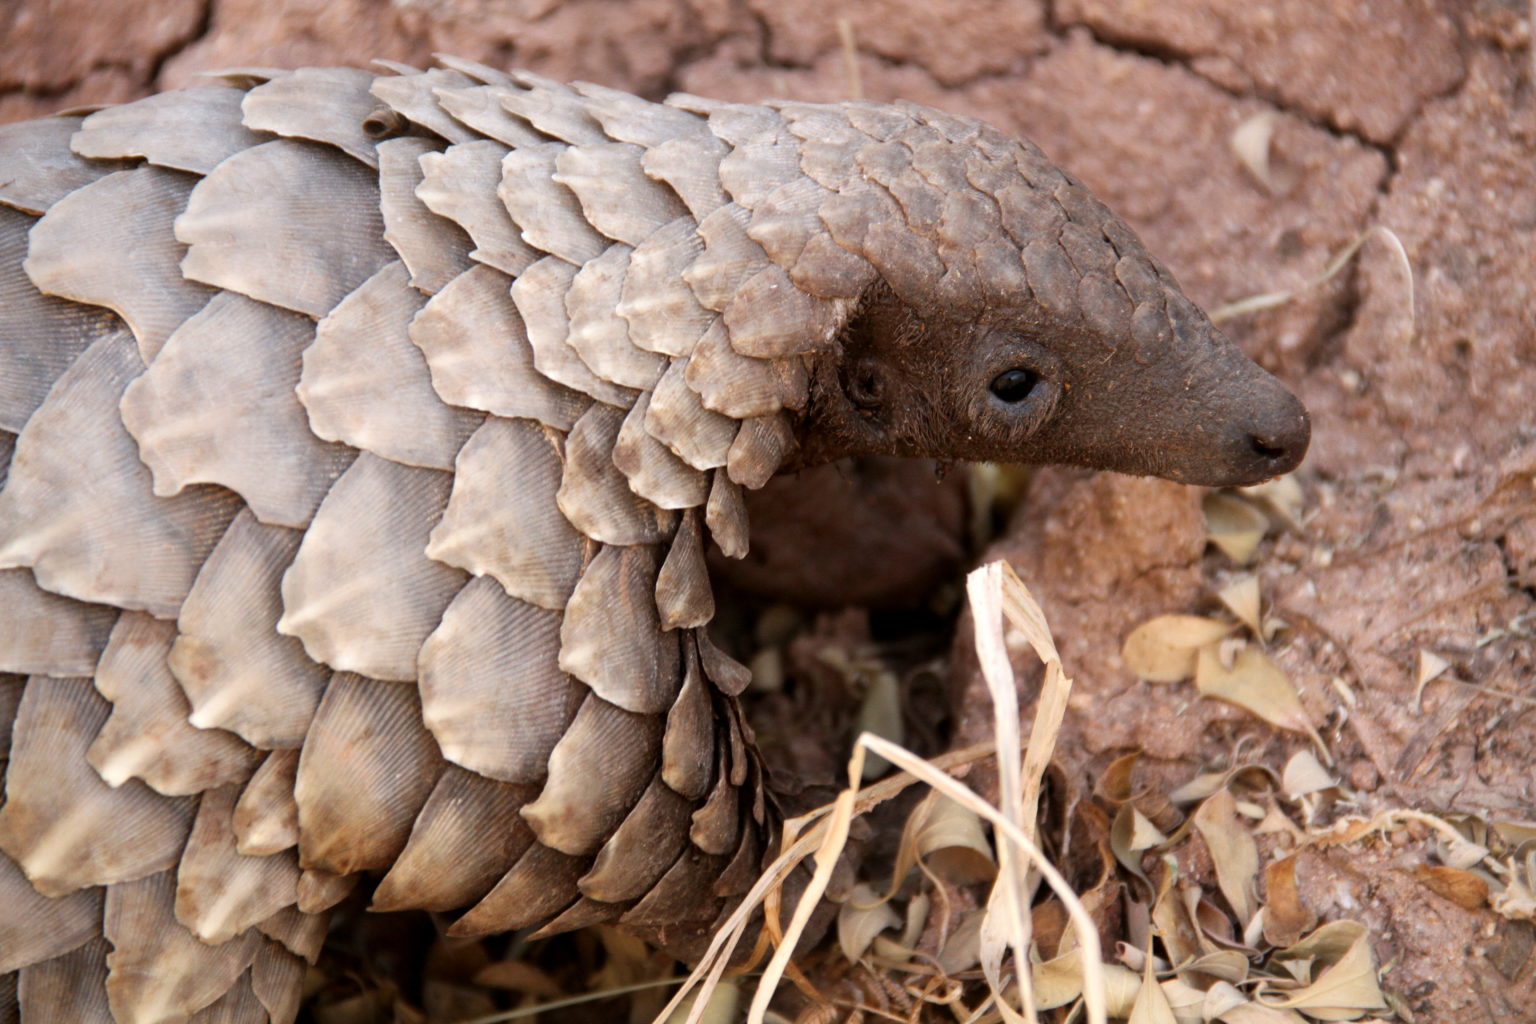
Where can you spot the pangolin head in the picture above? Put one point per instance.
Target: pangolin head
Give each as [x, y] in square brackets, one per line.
[1012, 317]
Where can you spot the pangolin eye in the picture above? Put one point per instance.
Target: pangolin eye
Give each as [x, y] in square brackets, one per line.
[1013, 386]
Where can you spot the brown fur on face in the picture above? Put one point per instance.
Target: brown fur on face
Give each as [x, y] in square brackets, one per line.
[912, 382]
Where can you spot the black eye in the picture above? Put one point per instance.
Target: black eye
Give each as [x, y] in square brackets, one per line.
[1013, 386]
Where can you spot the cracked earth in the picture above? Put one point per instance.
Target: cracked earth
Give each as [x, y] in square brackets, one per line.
[1418, 532]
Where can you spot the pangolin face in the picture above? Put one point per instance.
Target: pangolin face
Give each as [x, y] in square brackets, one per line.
[1042, 332]
[1017, 386]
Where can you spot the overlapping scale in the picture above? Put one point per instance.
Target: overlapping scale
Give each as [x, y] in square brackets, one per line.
[316, 235]
[148, 736]
[217, 406]
[76, 252]
[64, 826]
[367, 768]
[365, 384]
[78, 506]
[361, 593]
[238, 671]
[187, 130]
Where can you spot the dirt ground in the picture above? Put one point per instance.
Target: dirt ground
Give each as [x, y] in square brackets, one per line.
[1415, 540]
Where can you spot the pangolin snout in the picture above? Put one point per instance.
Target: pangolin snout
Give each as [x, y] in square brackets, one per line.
[1271, 443]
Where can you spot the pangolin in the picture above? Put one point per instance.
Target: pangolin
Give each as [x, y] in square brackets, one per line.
[362, 438]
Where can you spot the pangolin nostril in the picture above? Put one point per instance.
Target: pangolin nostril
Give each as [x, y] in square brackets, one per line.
[1266, 450]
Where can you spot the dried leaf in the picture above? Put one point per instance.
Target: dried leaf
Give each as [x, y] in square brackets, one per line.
[880, 713]
[863, 917]
[1431, 666]
[1233, 525]
[1242, 600]
[1255, 684]
[1349, 983]
[1151, 1006]
[1250, 143]
[1286, 917]
[1233, 851]
[953, 844]
[1463, 888]
[1163, 650]
[1305, 774]
[1282, 496]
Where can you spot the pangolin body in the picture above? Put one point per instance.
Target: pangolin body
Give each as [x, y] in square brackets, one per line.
[361, 440]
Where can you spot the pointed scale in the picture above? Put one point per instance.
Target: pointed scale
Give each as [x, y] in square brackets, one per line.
[479, 107]
[616, 196]
[598, 334]
[217, 406]
[148, 736]
[469, 825]
[434, 249]
[238, 671]
[691, 166]
[361, 593]
[594, 494]
[552, 107]
[266, 816]
[688, 743]
[319, 891]
[277, 979]
[322, 104]
[502, 519]
[111, 542]
[77, 252]
[653, 471]
[676, 417]
[221, 892]
[71, 988]
[540, 297]
[365, 384]
[185, 130]
[159, 969]
[412, 93]
[491, 691]
[642, 848]
[683, 894]
[368, 766]
[460, 184]
[684, 597]
[37, 167]
[597, 772]
[478, 352]
[547, 212]
[239, 1005]
[726, 516]
[539, 885]
[292, 223]
[11, 687]
[46, 634]
[739, 386]
[760, 448]
[611, 637]
[663, 313]
[39, 335]
[64, 826]
[716, 826]
[299, 933]
[35, 928]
